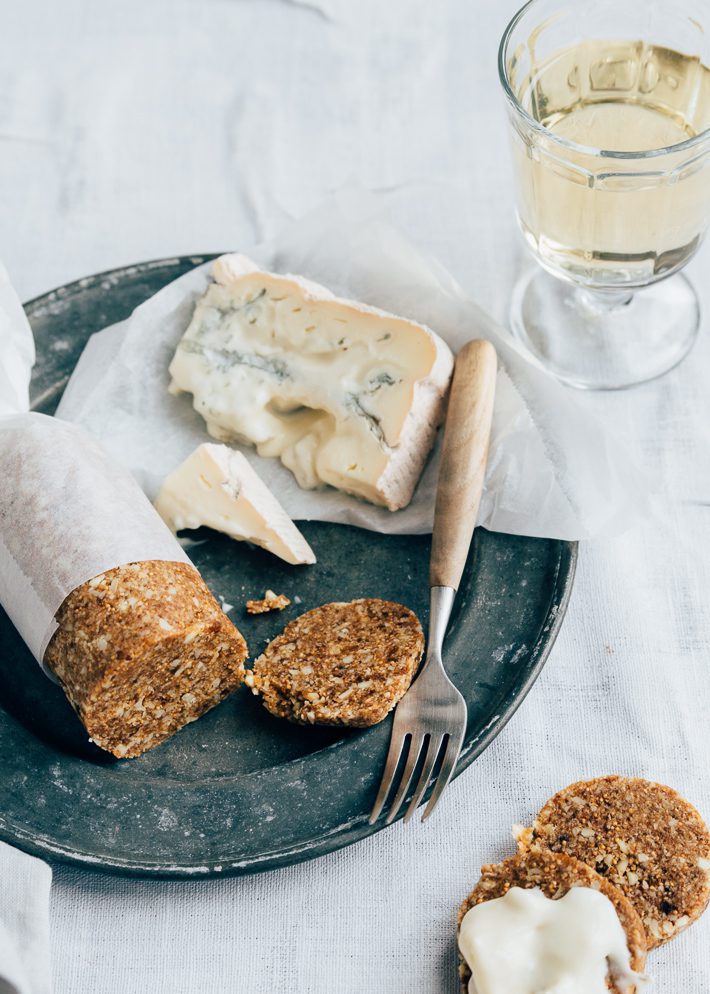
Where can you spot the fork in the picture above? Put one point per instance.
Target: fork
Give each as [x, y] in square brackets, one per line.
[431, 717]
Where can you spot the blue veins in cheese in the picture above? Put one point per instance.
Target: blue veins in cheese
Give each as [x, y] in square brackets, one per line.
[343, 394]
[217, 487]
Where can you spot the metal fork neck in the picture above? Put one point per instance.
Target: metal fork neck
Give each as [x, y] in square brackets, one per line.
[441, 603]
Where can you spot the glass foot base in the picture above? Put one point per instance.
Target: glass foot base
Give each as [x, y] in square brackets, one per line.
[598, 340]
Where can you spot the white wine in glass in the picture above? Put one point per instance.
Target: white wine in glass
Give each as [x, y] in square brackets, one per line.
[611, 150]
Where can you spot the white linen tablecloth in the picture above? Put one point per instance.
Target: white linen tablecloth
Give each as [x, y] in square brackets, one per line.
[156, 127]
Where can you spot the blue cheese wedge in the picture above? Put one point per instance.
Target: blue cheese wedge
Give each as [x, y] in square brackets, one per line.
[217, 487]
[343, 394]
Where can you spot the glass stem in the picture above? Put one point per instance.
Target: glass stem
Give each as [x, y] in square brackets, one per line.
[602, 301]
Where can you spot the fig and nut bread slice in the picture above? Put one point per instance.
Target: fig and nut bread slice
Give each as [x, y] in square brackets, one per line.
[554, 875]
[642, 837]
[340, 664]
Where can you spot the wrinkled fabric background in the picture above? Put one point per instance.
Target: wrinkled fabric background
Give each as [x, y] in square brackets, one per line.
[152, 128]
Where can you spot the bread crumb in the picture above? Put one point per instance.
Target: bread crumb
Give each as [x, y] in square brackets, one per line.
[269, 602]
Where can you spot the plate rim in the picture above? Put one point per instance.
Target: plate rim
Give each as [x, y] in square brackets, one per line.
[42, 846]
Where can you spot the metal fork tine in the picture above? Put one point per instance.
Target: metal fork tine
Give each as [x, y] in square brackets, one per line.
[424, 777]
[415, 749]
[394, 755]
[445, 773]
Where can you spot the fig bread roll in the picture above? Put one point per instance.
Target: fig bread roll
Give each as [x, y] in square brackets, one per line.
[101, 591]
[141, 651]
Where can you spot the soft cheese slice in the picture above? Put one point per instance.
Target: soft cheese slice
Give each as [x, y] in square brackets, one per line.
[217, 487]
[343, 394]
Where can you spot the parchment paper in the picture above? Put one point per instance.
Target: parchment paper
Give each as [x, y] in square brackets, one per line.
[553, 470]
[67, 512]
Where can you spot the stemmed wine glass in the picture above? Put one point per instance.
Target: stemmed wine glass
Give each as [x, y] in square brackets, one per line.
[609, 107]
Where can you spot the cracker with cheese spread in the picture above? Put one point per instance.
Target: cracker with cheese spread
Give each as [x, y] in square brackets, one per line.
[554, 875]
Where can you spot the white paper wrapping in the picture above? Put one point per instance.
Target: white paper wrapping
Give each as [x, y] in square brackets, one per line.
[67, 512]
[17, 350]
[553, 471]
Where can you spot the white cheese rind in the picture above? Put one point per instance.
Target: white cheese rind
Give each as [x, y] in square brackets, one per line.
[217, 487]
[344, 394]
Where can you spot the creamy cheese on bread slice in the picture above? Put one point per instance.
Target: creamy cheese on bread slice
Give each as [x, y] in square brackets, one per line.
[341, 393]
[217, 487]
[527, 943]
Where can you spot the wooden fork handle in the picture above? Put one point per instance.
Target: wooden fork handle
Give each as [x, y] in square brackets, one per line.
[463, 462]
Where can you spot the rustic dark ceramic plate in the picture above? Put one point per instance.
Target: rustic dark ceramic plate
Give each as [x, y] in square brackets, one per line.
[239, 791]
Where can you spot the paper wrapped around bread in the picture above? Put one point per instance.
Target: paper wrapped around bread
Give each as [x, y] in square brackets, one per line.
[102, 592]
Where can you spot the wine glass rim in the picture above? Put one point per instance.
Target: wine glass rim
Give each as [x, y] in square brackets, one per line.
[566, 143]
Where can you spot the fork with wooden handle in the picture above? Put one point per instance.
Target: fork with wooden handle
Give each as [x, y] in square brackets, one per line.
[430, 720]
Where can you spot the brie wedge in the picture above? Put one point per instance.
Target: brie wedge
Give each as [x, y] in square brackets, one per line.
[343, 394]
[217, 487]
